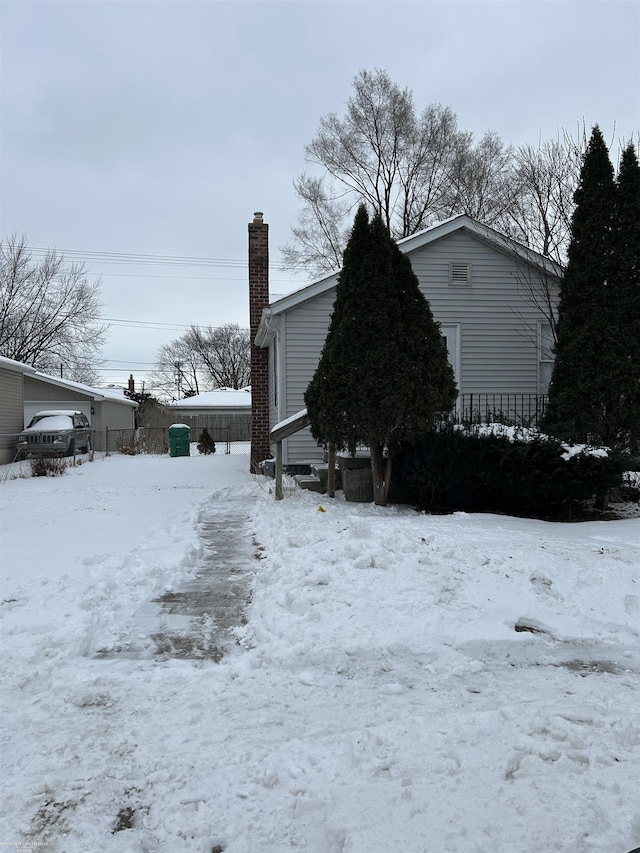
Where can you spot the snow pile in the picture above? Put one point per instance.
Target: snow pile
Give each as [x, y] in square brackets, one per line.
[404, 682]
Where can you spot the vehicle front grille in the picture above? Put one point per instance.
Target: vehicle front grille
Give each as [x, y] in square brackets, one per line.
[40, 439]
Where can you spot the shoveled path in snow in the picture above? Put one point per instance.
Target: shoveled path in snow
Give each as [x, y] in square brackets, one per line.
[195, 621]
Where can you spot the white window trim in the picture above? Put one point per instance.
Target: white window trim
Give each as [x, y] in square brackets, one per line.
[541, 349]
[452, 332]
[281, 336]
[274, 353]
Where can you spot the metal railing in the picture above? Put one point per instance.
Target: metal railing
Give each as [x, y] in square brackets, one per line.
[524, 410]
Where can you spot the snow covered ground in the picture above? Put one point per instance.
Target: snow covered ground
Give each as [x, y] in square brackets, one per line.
[404, 683]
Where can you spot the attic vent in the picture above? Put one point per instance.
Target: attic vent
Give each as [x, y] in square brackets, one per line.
[459, 273]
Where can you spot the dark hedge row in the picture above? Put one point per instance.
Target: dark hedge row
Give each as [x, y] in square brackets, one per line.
[452, 470]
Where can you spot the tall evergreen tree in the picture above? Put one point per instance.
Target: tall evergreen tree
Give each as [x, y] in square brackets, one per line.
[383, 372]
[625, 293]
[586, 351]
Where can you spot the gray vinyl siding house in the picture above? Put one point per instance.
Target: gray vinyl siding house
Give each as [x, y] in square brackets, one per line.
[479, 286]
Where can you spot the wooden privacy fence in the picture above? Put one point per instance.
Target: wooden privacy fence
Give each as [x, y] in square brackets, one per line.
[236, 427]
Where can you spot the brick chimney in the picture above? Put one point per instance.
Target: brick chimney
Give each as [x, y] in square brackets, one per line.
[258, 301]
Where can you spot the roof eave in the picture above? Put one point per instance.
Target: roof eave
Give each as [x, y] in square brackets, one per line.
[266, 329]
[460, 222]
[80, 388]
[17, 366]
[317, 287]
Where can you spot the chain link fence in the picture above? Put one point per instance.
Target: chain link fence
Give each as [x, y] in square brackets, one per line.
[155, 440]
[152, 440]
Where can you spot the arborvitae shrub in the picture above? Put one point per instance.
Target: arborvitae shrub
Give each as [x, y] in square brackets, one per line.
[206, 444]
[383, 373]
[450, 470]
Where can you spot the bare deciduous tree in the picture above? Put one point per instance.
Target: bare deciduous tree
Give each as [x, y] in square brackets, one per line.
[416, 169]
[539, 215]
[225, 352]
[541, 198]
[320, 235]
[412, 169]
[481, 179]
[179, 371]
[49, 312]
[203, 359]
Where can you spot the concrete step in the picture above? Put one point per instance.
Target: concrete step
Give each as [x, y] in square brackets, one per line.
[310, 482]
[321, 470]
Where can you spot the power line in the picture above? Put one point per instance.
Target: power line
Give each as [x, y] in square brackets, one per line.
[153, 366]
[151, 326]
[147, 259]
[188, 277]
[155, 325]
[122, 361]
[134, 258]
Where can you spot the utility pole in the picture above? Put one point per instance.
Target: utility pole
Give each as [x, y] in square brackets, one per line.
[178, 367]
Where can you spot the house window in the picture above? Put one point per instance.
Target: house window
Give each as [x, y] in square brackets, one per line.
[545, 356]
[459, 274]
[450, 336]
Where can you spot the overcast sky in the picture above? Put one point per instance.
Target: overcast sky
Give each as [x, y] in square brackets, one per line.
[157, 127]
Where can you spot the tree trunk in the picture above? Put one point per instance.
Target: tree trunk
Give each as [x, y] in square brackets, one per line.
[602, 499]
[278, 471]
[381, 474]
[331, 472]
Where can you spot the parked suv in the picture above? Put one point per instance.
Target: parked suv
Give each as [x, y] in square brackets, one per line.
[55, 433]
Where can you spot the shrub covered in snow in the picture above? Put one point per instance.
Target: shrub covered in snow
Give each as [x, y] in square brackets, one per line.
[493, 468]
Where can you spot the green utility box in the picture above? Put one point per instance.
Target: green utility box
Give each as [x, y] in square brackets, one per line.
[179, 440]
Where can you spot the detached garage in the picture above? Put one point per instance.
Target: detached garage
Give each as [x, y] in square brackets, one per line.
[25, 391]
[226, 413]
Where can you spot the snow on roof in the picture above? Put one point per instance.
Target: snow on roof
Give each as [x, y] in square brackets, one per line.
[12, 364]
[222, 398]
[116, 394]
[291, 419]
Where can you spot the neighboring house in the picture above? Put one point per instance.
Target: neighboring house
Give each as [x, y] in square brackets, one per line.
[25, 391]
[224, 412]
[491, 295]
